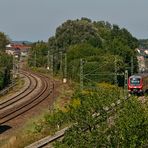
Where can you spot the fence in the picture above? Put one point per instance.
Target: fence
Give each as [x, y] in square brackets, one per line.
[4, 91]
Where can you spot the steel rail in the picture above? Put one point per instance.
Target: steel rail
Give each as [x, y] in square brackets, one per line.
[28, 104]
[20, 96]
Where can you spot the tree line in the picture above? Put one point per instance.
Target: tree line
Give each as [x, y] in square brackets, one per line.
[99, 43]
[143, 43]
[5, 62]
[124, 125]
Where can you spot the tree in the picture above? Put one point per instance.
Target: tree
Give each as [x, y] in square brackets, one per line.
[3, 41]
[143, 43]
[75, 32]
[38, 54]
[131, 125]
[91, 41]
[128, 128]
[102, 35]
[95, 63]
[89, 130]
[5, 68]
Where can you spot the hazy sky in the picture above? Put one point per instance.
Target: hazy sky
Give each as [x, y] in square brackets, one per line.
[38, 19]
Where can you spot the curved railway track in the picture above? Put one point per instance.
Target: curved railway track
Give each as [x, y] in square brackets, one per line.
[39, 88]
[23, 93]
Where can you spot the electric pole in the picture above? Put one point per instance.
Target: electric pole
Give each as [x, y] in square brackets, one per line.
[125, 83]
[52, 65]
[14, 70]
[61, 63]
[115, 78]
[65, 68]
[48, 60]
[35, 59]
[81, 74]
[132, 66]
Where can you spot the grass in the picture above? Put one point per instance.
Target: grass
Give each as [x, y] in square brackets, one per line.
[16, 88]
[27, 134]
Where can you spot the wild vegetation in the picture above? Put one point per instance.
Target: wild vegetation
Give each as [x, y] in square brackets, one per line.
[38, 55]
[143, 43]
[102, 47]
[125, 125]
[4, 40]
[5, 62]
[102, 50]
[99, 44]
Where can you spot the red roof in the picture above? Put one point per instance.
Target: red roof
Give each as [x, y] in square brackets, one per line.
[20, 46]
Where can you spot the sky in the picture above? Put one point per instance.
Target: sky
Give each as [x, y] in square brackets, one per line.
[34, 20]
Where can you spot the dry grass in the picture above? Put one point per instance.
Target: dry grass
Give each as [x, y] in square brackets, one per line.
[16, 88]
[27, 134]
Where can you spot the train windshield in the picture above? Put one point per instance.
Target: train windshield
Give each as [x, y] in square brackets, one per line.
[135, 81]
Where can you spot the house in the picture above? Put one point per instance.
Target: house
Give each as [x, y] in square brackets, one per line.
[17, 49]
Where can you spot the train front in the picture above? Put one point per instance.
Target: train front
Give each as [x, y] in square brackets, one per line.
[135, 85]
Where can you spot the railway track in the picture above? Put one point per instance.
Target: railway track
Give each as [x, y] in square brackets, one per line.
[38, 89]
[30, 87]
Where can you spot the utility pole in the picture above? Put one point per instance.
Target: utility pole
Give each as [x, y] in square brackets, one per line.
[48, 60]
[115, 75]
[65, 68]
[125, 83]
[35, 59]
[81, 74]
[132, 66]
[61, 63]
[14, 70]
[52, 64]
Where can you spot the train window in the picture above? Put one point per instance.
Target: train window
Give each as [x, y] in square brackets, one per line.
[135, 81]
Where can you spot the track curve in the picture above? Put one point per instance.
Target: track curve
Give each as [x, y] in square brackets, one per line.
[20, 96]
[40, 88]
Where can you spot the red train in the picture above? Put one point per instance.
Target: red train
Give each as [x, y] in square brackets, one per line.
[138, 84]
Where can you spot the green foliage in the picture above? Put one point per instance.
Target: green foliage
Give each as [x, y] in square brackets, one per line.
[82, 51]
[97, 43]
[97, 66]
[78, 38]
[5, 68]
[38, 54]
[38, 127]
[83, 106]
[1, 80]
[143, 43]
[128, 127]
[84, 115]
[5, 60]
[56, 120]
[132, 125]
[125, 125]
[53, 122]
[90, 56]
[75, 32]
[3, 41]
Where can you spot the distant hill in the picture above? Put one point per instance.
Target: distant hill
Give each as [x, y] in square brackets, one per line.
[22, 42]
[143, 43]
